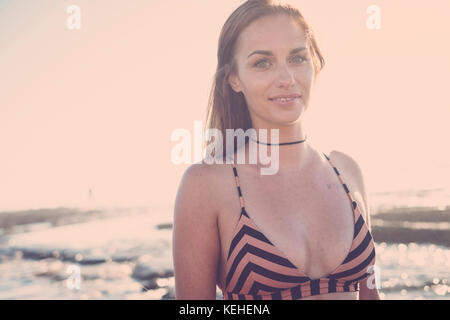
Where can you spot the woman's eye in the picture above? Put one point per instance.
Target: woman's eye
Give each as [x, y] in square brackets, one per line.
[296, 58]
[259, 63]
[262, 63]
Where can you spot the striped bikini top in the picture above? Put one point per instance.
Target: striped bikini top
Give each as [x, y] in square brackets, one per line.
[257, 270]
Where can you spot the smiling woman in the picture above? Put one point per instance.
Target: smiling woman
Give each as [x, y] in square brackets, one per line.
[227, 105]
[302, 233]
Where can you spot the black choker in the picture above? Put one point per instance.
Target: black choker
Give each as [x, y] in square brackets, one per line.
[279, 144]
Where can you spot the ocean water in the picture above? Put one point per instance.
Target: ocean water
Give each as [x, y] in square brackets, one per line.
[125, 253]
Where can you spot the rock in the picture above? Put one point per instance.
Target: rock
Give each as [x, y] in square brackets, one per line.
[149, 284]
[149, 267]
[170, 295]
[167, 225]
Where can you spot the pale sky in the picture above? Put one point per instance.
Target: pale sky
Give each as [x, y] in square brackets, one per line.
[95, 107]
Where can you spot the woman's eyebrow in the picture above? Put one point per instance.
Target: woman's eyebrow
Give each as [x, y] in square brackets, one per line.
[269, 53]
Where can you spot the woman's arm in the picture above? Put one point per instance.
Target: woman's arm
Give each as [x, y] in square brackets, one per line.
[196, 247]
[366, 291]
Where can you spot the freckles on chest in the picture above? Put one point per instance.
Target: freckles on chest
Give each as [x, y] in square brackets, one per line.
[327, 222]
[315, 209]
[327, 217]
[333, 185]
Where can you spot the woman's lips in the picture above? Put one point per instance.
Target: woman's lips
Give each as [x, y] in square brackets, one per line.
[285, 101]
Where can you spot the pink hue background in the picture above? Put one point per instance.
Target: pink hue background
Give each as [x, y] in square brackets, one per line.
[95, 108]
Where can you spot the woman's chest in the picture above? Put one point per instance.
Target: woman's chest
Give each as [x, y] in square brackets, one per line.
[310, 222]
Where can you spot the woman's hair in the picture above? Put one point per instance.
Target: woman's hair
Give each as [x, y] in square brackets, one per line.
[228, 109]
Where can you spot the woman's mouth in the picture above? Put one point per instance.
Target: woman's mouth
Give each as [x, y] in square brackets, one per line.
[285, 101]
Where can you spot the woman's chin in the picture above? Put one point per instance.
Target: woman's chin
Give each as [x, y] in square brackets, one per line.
[288, 115]
[281, 120]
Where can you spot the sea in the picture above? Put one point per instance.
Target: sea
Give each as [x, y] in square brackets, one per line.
[125, 252]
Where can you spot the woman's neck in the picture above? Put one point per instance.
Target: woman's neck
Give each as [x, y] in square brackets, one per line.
[292, 157]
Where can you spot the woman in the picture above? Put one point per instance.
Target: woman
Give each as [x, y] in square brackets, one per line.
[302, 233]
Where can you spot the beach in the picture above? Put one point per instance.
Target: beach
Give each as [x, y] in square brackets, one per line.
[126, 253]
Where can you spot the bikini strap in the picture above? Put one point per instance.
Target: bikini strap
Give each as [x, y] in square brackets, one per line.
[236, 179]
[354, 204]
[241, 198]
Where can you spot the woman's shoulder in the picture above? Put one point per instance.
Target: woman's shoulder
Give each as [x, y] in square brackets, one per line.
[207, 172]
[206, 180]
[198, 194]
[348, 163]
[344, 159]
[352, 175]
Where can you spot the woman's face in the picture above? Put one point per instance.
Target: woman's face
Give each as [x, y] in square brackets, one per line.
[273, 59]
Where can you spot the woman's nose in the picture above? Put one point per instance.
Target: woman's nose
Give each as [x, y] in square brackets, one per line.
[286, 76]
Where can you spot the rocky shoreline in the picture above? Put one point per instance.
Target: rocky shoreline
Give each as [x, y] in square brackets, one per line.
[133, 251]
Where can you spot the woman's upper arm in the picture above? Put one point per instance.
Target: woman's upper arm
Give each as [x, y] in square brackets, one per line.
[196, 248]
[353, 168]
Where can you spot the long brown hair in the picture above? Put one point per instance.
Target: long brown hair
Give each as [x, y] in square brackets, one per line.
[226, 108]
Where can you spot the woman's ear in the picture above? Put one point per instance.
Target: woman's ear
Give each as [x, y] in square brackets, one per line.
[234, 83]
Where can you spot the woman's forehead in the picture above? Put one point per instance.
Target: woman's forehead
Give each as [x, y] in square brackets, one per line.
[271, 33]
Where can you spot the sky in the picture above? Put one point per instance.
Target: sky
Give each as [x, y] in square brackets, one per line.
[95, 107]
